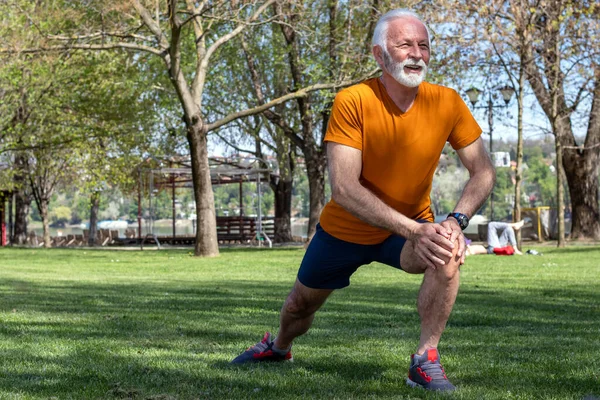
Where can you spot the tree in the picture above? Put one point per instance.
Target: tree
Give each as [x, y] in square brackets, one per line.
[556, 45]
[187, 37]
[85, 125]
[569, 31]
[308, 48]
[565, 77]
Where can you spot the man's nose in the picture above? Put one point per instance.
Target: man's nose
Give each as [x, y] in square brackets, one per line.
[415, 52]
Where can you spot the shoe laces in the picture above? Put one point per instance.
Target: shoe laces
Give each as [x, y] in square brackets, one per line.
[434, 370]
[261, 346]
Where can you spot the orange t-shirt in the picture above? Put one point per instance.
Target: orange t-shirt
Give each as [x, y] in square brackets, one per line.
[400, 150]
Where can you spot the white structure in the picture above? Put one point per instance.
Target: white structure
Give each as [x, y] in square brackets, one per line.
[501, 159]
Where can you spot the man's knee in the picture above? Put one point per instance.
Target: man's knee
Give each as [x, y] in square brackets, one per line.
[303, 302]
[450, 270]
[297, 306]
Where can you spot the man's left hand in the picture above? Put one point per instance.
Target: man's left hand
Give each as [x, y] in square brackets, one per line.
[456, 233]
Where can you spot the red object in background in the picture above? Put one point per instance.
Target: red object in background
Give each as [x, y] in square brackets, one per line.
[504, 251]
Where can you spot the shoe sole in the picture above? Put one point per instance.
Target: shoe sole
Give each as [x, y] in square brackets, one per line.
[253, 361]
[414, 384]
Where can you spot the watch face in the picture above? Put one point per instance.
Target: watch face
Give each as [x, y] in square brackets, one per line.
[462, 219]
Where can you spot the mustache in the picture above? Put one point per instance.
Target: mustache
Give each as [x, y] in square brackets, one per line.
[413, 63]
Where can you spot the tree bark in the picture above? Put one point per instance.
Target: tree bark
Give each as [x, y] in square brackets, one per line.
[22, 201]
[45, 223]
[282, 190]
[206, 222]
[94, 206]
[22, 207]
[519, 172]
[581, 169]
[282, 187]
[316, 163]
[283, 207]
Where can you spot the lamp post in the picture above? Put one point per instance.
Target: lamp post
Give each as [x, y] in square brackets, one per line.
[473, 94]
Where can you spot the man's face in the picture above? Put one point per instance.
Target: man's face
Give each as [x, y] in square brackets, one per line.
[407, 54]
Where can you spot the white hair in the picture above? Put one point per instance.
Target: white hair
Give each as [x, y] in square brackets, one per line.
[380, 32]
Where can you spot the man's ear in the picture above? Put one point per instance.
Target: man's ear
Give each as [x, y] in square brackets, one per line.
[378, 54]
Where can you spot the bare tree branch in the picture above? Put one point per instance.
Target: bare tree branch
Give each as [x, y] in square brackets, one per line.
[120, 35]
[233, 146]
[290, 96]
[109, 46]
[202, 68]
[151, 24]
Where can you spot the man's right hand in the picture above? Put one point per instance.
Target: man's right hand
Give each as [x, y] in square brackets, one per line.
[432, 244]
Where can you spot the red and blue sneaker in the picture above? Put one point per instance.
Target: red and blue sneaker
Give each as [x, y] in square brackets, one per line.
[262, 351]
[426, 372]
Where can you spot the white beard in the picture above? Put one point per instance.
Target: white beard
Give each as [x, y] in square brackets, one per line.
[396, 70]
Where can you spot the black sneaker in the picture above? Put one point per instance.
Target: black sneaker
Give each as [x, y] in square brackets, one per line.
[262, 351]
[426, 371]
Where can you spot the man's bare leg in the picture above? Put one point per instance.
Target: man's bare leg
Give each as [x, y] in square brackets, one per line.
[298, 312]
[518, 225]
[296, 318]
[436, 296]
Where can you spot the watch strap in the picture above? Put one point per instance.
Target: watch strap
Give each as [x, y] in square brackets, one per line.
[462, 219]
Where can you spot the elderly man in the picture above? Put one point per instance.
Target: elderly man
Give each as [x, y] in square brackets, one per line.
[384, 140]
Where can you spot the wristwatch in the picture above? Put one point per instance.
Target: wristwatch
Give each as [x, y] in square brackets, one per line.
[462, 219]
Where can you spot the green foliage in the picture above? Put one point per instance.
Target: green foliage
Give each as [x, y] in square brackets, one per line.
[301, 194]
[540, 181]
[227, 199]
[60, 216]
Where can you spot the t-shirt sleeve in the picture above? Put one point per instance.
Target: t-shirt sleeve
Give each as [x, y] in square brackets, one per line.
[466, 129]
[345, 122]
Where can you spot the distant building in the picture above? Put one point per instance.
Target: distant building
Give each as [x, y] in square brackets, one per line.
[501, 159]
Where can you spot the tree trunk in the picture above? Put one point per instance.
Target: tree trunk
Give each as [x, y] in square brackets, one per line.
[315, 169]
[11, 222]
[560, 196]
[22, 202]
[519, 172]
[22, 207]
[282, 189]
[94, 206]
[283, 210]
[581, 169]
[45, 223]
[206, 222]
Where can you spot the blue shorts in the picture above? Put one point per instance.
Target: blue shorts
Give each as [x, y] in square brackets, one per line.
[329, 262]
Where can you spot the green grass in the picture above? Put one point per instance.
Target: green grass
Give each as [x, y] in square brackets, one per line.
[82, 324]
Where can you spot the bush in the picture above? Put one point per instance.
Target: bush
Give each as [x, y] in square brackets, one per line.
[60, 216]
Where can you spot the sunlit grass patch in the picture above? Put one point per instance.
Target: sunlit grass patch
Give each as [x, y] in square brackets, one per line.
[86, 324]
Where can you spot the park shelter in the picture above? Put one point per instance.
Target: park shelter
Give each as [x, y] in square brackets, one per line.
[172, 173]
[543, 223]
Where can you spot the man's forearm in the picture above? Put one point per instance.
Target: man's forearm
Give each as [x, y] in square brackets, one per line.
[476, 191]
[363, 204]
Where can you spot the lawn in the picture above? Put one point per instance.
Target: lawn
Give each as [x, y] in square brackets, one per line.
[103, 324]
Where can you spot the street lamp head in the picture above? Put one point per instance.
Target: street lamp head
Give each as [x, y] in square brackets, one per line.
[473, 94]
[507, 93]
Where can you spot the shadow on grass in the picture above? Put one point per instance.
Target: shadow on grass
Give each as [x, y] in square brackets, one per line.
[91, 340]
[570, 249]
